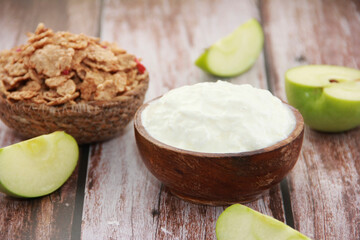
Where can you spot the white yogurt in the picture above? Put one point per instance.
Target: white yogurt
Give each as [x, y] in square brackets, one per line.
[218, 118]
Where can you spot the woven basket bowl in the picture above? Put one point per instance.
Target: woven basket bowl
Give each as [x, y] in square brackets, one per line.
[87, 122]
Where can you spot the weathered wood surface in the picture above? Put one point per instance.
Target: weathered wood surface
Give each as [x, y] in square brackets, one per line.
[50, 217]
[122, 199]
[325, 183]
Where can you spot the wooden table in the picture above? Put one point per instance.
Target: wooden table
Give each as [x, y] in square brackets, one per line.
[111, 195]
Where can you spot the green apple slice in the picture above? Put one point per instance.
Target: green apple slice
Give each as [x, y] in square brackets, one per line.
[239, 222]
[327, 96]
[38, 166]
[235, 53]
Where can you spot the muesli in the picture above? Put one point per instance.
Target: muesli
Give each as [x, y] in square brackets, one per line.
[57, 68]
[69, 82]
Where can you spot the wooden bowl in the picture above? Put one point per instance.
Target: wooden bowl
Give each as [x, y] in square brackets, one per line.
[88, 122]
[219, 178]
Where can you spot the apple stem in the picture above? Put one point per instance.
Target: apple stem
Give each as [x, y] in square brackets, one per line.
[333, 81]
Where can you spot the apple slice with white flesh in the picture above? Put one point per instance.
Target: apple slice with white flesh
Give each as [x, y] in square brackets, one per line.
[239, 222]
[327, 96]
[235, 53]
[38, 166]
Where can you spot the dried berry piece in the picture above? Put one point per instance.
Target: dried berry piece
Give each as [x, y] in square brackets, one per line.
[65, 72]
[140, 67]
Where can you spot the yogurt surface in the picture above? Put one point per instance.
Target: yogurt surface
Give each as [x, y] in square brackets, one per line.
[218, 117]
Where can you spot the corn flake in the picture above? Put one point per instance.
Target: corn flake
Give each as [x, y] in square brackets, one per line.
[66, 88]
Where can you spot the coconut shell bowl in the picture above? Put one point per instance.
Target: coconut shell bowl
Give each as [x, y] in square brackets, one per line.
[219, 178]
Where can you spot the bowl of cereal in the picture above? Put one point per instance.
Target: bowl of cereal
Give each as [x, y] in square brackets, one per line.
[218, 143]
[70, 82]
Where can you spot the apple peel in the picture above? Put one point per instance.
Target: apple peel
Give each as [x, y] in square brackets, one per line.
[38, 166]
[327, 96]
[240, 222]
[235, 53]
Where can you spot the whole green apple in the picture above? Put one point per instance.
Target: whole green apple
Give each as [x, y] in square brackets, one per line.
[327, 96]
[38, 166]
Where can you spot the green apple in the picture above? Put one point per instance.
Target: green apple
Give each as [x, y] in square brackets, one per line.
[38, 166]
[235, 53]
[239, 222]
[327, 96]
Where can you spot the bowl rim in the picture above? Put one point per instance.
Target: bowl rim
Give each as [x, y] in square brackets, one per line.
[298, 129]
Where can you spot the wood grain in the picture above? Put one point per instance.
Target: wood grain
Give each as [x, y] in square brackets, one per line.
[324, 185]
[122, 199]
[49, 217]
[117, 204]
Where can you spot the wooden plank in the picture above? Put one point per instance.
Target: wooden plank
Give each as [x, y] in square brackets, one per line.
[48, 217]
[182, 220]
[122, 199]
[120, 194]
[325, 184]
